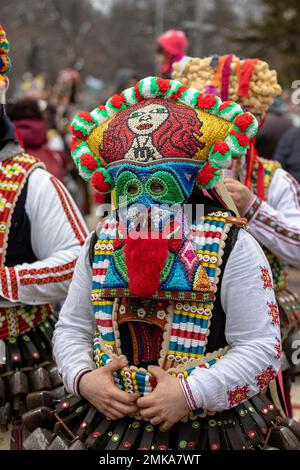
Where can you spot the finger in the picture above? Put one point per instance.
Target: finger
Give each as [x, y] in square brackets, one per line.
[123, 397]
[165, 425]
[145, 402]
[156, 420]
[115, 364]
[229, 180]
[231, 187]
[148, 413]
[113, 415]
[157, 372]
[124, 409]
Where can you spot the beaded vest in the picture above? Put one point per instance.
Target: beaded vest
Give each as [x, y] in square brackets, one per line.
[278, 267]
[182, 307]
[14, 173]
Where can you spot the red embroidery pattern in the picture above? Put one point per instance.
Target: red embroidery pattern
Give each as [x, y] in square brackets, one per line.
[46, 280]
[278, 348]
[67, 205]
[266, 278]
[13, 283]
[273, 312]
[238, 395]
[55, 269]
[266, 376]
[4, 282]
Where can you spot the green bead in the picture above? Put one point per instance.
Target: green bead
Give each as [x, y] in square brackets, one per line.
[115, 437]
[79, 409]
[182, 444]
[149, 428]
[12, 340]
[26, 338]
[135, 424]
[212, 423]
[195, 424]
[242, 412]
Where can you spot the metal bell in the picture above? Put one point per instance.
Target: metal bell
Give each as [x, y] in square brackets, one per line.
[40, 379]
[284, 439]
[54, 375]
[36, 399]
[5, 417]
[40, 417]
[59, 444]
[39, 439]
[18, 384]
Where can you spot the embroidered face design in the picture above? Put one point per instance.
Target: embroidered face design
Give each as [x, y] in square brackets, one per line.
[148, 119]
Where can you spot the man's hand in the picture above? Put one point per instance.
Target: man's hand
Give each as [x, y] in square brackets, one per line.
[99, 389]
[240, 194]
[166, 405]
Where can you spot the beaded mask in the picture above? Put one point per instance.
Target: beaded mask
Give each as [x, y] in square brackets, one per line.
[159, 134]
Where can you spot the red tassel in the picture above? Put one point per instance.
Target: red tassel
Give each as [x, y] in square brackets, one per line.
[145, 259]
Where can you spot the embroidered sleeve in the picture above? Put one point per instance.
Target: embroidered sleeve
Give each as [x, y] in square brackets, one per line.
[251, 330]
[57, 233]
[72, 340]
[275, 223]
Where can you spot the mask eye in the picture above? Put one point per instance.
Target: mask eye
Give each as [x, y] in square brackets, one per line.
[156, 188]
[132, 189]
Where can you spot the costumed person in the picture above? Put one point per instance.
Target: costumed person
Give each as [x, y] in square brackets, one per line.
[32, 127]
[171, 47]
[263, 192]
[41, 232]
[162, 289]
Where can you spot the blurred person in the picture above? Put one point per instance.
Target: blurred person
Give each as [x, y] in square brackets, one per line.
[276, 123]
[41, 235]
[171, 47]
[263, 192]
[287, 152]
[29, 121]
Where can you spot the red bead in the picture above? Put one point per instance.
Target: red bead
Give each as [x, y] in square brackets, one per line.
[215, 446]
[127, 444]
[251, 434]
[191, 445]
[96, 434]
[162, 447]
[83, 424]
[65, 404]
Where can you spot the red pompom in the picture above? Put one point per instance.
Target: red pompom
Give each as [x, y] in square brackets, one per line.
[243, 121]
[178, 94]
[163, 85]
[138, 96]
[85, 115]
[206, 101]
[117, 101]
[242, 139]
[205, 175]
[77, 133]
[89, 161]
[221, 147]
[99, 183]
[74, 143]
[224, 105]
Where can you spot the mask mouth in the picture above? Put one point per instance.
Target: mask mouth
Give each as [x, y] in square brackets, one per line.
[147, 221]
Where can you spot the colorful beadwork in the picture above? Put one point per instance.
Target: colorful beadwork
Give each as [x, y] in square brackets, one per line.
[17, 320]
[160, 119]
[186, 322]
[13, 175]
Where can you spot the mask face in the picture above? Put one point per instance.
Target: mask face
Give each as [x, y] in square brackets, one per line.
[160, 188]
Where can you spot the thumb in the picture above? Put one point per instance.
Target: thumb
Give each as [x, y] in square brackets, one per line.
[115, 364]
[157, 372]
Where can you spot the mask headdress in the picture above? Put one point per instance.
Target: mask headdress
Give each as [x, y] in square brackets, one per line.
[5, 65]
[160, 121]
[249, 82]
